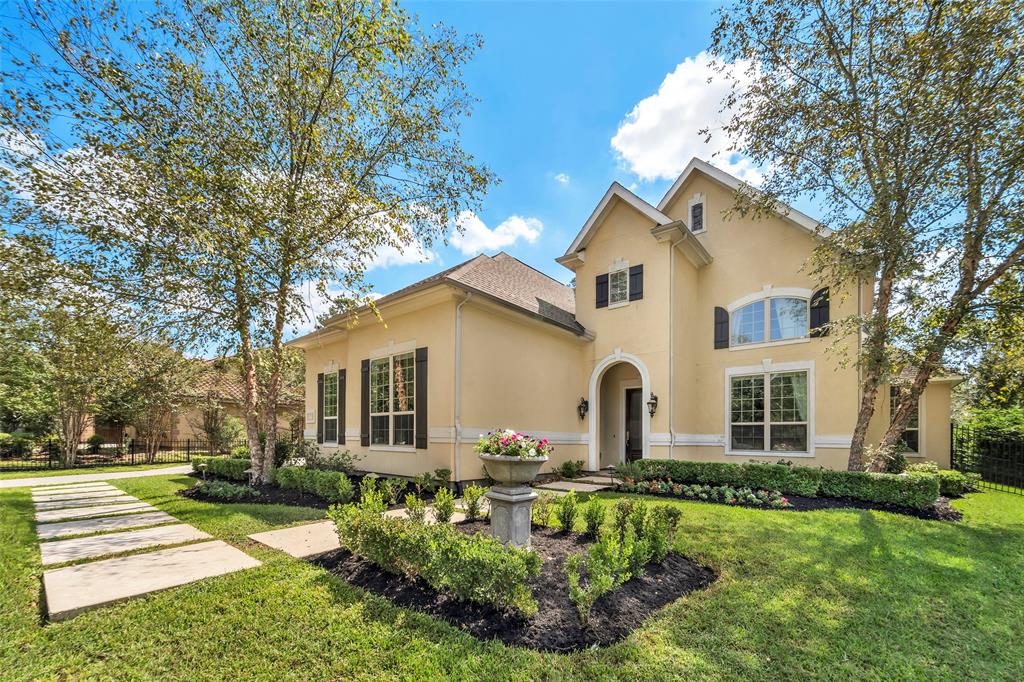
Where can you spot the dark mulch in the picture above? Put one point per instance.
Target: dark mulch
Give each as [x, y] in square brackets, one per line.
[942, 510]
[556, 626]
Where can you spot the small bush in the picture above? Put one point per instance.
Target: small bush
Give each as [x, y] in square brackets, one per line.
[620, 515]
[424, 483]
[332, 486]
[17, 444]
[570, 468]
[442, 476]
[604, 568]
[392, 489]
[925, 467]
[709, 493]
[415, 509]
[367, 485]
[240, 452]
[952, 483]
[908, 490]
[541, 512]
[95, 442]
[792, 480]
[224, 467]
[444, 505]
[472, 498]
[567, 510]
[342, 460]
[476, 568]
[593, 516]
[229, 492]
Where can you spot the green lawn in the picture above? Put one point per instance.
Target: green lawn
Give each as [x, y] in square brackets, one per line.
[830, 594]
[44, 473]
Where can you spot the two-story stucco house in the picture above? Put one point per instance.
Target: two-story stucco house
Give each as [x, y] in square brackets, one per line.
[689, 335]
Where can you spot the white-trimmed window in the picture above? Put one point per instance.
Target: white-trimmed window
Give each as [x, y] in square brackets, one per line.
[911, 437]
[770, 319]
[618, 286]
[769, 412]
[392, 400]
[330, 412]
[697, 217]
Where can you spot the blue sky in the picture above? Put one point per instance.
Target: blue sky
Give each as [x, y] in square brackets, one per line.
[556, 82]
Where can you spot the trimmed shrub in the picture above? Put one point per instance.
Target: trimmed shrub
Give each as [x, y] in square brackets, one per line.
[342, 460]
[952, 483]
[229, 492]
[567, 510]
[604, 568]
[391, 488]
[593, 516]
[240, 452]
[541, 512]
[477, 568]
[472, 499]
[444, 505]
[925, 467]
[571, 468]
[792, 480]
[415, 509]
[709, 493]
[909, 490]
[224, 467]
[332, 486]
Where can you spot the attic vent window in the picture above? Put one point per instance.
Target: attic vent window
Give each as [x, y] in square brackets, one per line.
[697, 217]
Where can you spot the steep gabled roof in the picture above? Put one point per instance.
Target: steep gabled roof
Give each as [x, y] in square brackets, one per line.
[615, 193]
[732, 182]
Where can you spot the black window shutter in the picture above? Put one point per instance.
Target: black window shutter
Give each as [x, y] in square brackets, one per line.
[602, 291]
[636, 282]
[819, 313]
[721, 328]
[421, 398]
[697, 217]
[364, 404]
[341, 407]
[319, 408]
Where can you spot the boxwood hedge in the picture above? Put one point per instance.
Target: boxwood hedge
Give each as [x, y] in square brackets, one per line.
[915, 490]
[224, 467]
[333, 486]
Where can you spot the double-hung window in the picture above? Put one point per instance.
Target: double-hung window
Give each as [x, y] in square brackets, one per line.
[618, 286]
[770, 319]
[912, 433]
[392, 396]
[768, 412]
[330, 412]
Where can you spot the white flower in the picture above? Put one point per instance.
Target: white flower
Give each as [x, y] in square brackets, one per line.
[533, 452]
[510, 432]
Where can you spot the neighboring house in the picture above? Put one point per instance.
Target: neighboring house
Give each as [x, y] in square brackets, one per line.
[689, 335]
[217, 383]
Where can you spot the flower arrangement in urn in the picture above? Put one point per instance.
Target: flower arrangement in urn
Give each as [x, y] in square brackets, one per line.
[509, 443]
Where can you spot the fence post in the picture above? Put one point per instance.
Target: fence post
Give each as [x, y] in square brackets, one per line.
[131, 448]
[188, 449]
[49, 453]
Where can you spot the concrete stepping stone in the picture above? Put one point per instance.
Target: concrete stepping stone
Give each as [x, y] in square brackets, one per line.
[66, 490]
[598, 479]
[74, 589]
[61, 551]
[89, 494]
[60, 481]
[88, 502]
[301, 541]
[573, 485]
[49, 531]
[86, 512]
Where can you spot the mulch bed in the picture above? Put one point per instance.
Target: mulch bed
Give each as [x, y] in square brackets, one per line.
[269, 494]
[556, 626]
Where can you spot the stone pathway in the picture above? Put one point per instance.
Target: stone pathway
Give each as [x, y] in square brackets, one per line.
[86, 521]
[51, 481]
[577, 485]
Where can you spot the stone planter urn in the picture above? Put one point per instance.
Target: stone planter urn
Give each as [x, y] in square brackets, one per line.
[511, 499]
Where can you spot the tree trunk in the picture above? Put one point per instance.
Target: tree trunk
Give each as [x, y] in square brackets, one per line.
[872, 361]
[243, 319]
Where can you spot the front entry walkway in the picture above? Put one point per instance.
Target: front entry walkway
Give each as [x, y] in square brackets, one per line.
[82, 522]
[49, 481]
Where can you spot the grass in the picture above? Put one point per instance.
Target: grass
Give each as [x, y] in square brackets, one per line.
[835, 594]
[46, 473]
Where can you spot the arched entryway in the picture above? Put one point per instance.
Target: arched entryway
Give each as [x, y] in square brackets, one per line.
[618, 383]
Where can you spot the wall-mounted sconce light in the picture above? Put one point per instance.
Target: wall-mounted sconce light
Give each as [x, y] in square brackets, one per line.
[652, 404]
[583, 408]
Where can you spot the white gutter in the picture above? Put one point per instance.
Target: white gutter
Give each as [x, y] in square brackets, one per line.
[457, 402]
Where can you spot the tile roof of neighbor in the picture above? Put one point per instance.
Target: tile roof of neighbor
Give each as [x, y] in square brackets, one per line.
[509, 281]
[220, 380]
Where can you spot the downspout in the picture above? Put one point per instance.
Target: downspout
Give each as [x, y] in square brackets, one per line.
[457, 402]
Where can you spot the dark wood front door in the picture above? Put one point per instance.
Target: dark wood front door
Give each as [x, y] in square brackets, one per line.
[634, 424]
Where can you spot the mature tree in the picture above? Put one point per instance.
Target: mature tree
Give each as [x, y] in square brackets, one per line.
[998, 376]
[904, 122]
[150, 391]
[214, 160]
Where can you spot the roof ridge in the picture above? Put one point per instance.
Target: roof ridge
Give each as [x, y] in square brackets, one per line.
[539, 272]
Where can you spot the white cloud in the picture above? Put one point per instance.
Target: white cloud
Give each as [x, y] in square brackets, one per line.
[388, 255]
[662, 132]
[563, 179]
[476, 237]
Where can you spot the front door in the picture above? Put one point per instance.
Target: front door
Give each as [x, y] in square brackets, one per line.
[634, 424]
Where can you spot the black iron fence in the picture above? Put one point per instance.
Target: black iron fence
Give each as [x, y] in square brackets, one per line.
[997, 458]
[51, 455]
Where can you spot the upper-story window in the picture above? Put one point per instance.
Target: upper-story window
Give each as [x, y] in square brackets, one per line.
[697, 217]
[770, 319]
[618, 286]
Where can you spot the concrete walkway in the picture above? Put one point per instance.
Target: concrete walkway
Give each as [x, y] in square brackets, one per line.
[89, 521]
[50, 481]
